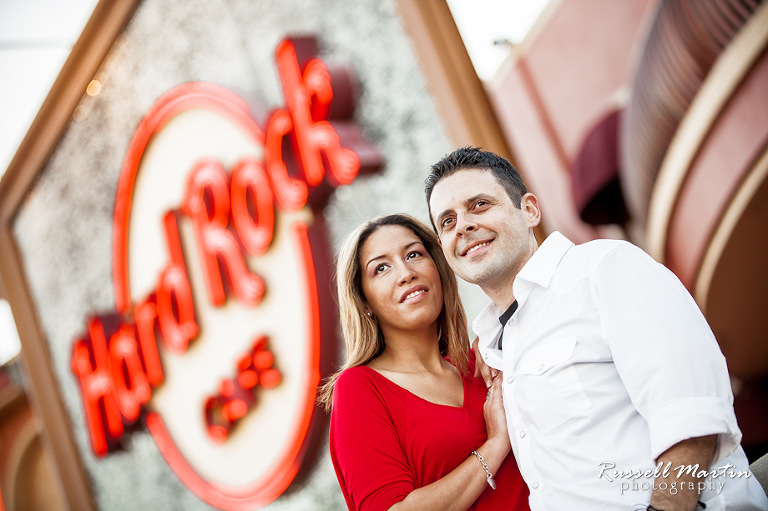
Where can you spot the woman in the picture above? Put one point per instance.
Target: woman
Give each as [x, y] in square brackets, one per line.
[410, 427]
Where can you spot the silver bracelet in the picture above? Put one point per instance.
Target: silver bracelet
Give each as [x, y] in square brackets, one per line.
[488, 475]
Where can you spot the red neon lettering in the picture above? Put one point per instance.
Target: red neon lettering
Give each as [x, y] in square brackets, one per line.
[96, 387]
[128, 377]
[207, 203]
[175, 309]
[250, 179]
[308, 96]
[298, 97]
[302, 149]
[236, 397]
[146, 328]
[291, 194]
[175, 306]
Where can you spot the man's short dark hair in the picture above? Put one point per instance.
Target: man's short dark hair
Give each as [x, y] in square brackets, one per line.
[475, 158]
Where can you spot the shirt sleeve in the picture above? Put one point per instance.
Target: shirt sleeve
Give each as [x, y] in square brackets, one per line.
[365, 446]
[664, 351]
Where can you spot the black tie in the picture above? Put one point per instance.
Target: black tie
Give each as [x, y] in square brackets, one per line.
[505, 317]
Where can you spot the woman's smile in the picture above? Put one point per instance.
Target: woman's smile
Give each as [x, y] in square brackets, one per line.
[400, 280]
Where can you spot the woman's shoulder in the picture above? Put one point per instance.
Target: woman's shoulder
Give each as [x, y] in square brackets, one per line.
[355, 374]
[358, 388]
[356, 380]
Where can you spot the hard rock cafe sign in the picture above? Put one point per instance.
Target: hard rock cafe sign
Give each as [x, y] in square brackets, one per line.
[220, 278]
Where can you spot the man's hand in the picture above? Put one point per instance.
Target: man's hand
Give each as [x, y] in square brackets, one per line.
[482, 369]
[694, 452]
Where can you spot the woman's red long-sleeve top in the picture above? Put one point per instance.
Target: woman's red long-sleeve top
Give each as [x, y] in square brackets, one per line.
[386, 442]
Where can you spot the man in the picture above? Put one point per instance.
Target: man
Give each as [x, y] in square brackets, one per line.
[616, 393]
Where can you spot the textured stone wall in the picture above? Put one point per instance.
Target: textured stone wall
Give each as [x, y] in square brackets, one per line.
[65, 226]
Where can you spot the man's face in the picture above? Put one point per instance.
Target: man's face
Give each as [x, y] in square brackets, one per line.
[485, 238]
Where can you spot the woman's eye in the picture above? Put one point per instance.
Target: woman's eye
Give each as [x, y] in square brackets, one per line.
[380, 268]
[413, 254]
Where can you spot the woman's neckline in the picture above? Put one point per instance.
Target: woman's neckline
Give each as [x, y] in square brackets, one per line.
[463, 386]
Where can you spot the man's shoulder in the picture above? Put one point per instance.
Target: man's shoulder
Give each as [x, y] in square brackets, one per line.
[596, 250]
[603, 245]
[587, 258]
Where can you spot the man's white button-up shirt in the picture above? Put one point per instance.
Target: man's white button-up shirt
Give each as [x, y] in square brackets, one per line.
[608, 362]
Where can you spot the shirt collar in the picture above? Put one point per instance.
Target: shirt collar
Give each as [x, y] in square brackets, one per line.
[486, 323]
[538, 270]
[542, 265]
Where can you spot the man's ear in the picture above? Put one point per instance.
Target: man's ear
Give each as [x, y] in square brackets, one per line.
[529, 205]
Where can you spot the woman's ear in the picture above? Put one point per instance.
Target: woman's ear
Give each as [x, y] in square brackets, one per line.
[529, 205]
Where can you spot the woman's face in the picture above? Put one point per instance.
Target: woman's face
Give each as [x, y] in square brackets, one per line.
[400, 280]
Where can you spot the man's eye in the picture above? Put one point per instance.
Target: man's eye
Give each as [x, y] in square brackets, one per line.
[481, 203]
[447, 222]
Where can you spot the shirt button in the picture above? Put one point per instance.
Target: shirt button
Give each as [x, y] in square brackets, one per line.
[510, 379]
[541, 367]
[522, 434]
[536, 485]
